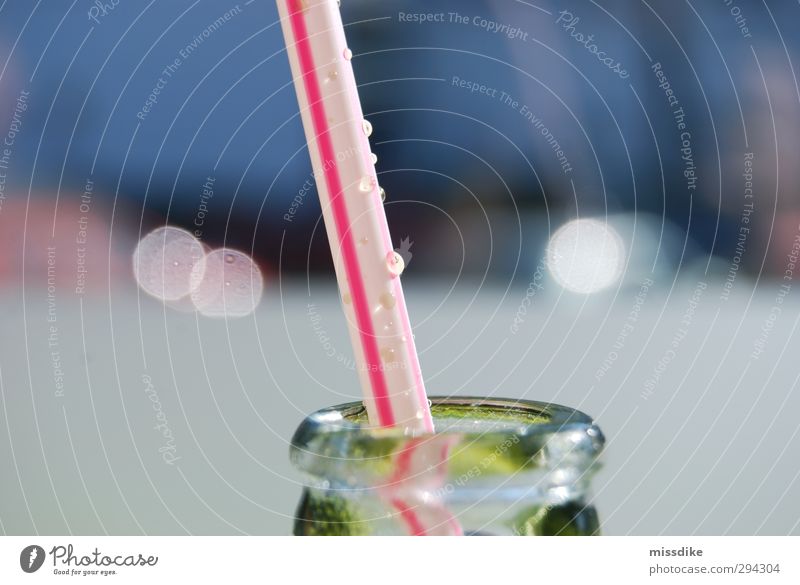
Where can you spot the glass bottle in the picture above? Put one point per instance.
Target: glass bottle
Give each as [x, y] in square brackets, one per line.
[494, 467]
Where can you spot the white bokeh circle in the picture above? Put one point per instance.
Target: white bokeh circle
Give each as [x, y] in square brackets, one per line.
[585, 256]
[166, 261]
[230, 285]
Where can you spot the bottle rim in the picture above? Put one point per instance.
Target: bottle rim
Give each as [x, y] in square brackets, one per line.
[336, 447]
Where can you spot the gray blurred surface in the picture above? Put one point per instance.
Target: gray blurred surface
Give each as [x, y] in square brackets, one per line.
[712, 450]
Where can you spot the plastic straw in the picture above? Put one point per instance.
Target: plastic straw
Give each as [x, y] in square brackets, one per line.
[367, 267]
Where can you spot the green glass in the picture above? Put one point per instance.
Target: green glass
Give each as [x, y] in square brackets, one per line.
[494, 467]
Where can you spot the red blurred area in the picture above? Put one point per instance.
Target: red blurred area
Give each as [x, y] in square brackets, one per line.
[68, 245]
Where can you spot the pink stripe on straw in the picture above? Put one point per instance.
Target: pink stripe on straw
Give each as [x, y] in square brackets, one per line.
[411, 350]
[401, 470]
[419, 518]
[358, 293]
[402, 473]
[413, 523]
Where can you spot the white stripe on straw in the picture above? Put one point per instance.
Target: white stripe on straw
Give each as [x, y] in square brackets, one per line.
[367, 267]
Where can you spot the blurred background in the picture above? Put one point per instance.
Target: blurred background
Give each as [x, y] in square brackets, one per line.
[496, 122]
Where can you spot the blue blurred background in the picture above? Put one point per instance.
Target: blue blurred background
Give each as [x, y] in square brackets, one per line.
[677, 124]
[461, 168]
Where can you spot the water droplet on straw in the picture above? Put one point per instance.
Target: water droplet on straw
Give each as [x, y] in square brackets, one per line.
[366, 184]
[387, 354]
[383, 194]
[347, 299]
[367, 127]
[348, 54]
[373, 157]
[363, 241]
[395, 263]
[387, 300]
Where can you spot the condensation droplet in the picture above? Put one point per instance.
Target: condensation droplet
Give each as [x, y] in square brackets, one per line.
[373, 157]
[395, 263]
[366, 184]
[367, 127]
[387, 354]
[164, 261]
[363, 241]
[387, 300]
[347, 299]
[230, 286]
[348, 54]
[383, 194]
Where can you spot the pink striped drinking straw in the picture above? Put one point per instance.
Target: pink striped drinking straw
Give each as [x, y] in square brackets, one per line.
[367, 267]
